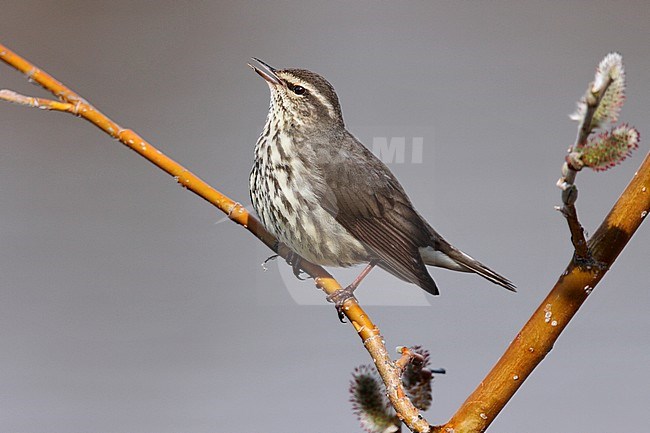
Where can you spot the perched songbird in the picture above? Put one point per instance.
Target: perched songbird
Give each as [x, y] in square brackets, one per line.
[332, 201]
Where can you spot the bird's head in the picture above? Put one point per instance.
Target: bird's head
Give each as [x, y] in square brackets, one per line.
[300, 97]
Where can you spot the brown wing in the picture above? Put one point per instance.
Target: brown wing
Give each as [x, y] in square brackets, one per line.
[365, 198]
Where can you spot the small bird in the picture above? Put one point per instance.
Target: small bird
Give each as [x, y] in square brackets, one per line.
[332, 201]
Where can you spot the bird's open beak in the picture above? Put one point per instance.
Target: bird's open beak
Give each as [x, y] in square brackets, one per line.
[267, 72]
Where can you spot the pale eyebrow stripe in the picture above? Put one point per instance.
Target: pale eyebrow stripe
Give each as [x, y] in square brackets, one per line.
[317, 94]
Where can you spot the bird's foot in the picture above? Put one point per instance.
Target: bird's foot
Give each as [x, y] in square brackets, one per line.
[339, 297]
[294, 260]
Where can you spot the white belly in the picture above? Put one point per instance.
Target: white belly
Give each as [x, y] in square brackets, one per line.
[304, 225]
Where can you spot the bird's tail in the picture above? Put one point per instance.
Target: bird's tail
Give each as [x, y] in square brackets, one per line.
[442, 254]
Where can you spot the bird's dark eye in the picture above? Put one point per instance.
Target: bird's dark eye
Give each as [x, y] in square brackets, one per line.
[299, 90]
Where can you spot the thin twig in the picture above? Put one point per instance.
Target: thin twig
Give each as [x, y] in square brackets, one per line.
[41, 103]
[572, 165]
[578, 240]
[408, 357]
[366, 329]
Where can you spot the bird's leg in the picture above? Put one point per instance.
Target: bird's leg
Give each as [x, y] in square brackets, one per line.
[341, 295]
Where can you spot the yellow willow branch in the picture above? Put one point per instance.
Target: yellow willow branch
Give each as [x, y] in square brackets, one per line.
[537, 337]
[73, 103]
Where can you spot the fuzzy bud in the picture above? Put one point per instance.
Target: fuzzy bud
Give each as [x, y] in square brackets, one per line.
[611, 74]
[609, 148]
[369, 402]
[609, 69]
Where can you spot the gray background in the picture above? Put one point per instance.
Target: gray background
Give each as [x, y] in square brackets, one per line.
[126, 307]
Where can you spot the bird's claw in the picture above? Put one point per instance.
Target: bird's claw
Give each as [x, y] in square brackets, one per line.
[273, 257]
[339, 297]
[294, 260]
